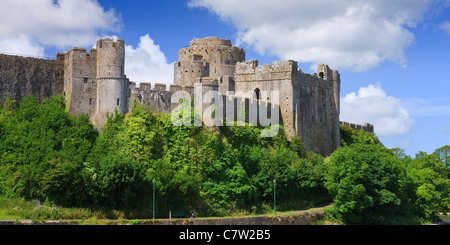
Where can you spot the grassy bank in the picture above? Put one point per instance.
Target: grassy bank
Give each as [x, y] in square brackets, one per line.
[19, 209]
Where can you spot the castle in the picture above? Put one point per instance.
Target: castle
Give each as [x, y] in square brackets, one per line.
[95, 83]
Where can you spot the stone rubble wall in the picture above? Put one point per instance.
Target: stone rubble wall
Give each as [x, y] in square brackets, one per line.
[23, 76]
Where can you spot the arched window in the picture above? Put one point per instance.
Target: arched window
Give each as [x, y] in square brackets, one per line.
[257, 93]
[321, 75]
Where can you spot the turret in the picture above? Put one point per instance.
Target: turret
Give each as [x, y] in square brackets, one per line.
[207, 57]
[337, 89]
[324, 72]
[111, 84]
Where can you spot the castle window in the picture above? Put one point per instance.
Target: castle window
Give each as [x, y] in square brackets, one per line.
[81, 55]
[118, 102]
[321, 75]
[85, 80]
[257, 93]
[90, 101]
[295, 115]
[197, 57]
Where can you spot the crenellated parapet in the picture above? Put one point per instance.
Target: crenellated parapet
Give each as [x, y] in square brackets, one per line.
[366, 127]
[251, 71]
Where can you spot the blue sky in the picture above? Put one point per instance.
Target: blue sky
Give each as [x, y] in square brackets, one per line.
[393, 56]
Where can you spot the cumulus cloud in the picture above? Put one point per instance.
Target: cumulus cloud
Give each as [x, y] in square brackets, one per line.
[371, 104]
[147, 63]
[21, 44]
[26, 27]
[350, 34]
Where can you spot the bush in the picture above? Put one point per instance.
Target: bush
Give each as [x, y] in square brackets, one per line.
[363, 183]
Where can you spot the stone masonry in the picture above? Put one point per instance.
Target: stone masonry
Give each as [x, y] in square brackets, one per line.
[95, 83]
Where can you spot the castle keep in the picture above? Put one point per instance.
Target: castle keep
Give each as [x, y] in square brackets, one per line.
[94, 83]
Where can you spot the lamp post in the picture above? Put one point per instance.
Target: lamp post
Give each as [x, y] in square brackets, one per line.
[154, 182]
[274, 197]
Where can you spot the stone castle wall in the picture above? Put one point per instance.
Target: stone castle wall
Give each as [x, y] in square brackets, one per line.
[95, 83]
[23, 76]
[366, 127]
[307, 102]
[80, 88]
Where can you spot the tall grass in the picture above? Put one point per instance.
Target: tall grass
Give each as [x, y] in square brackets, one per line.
[19, 209]
[22, 209]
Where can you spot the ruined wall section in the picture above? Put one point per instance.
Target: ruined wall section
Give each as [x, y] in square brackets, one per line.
[23, 76]
[207, 57]
[80, 86]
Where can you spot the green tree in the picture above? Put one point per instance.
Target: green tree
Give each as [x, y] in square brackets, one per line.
[350, 136]
[32, 135]
[443, 154]
[430, 186]
[363, 182]
[118, 182]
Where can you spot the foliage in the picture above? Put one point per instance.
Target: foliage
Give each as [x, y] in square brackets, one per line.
[443, 154]
[429, 185]
[364, 184]
[371, 184]
[49, 155]
[41, 143]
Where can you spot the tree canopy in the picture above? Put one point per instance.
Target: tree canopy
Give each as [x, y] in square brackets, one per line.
[48, 154]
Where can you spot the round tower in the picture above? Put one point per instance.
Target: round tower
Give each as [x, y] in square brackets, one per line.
[206, 57]
[111, 84]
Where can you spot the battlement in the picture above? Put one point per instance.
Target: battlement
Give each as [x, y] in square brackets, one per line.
[60, 56]
[158, 87]
[366, 127]
[78, 54]
[251, 66]
[110, 43]
[210, 41]
[279, 70]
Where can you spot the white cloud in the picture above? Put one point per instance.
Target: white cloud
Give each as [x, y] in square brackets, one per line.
[445, 26]
[344, 34]
[147, 63]
[33, 25]
[22, 45]
[371, 104]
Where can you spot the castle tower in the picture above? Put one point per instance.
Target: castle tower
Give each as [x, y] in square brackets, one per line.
[207, 57]
[324, 72]
[337, 89]
[112, 89]
[80, 83]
